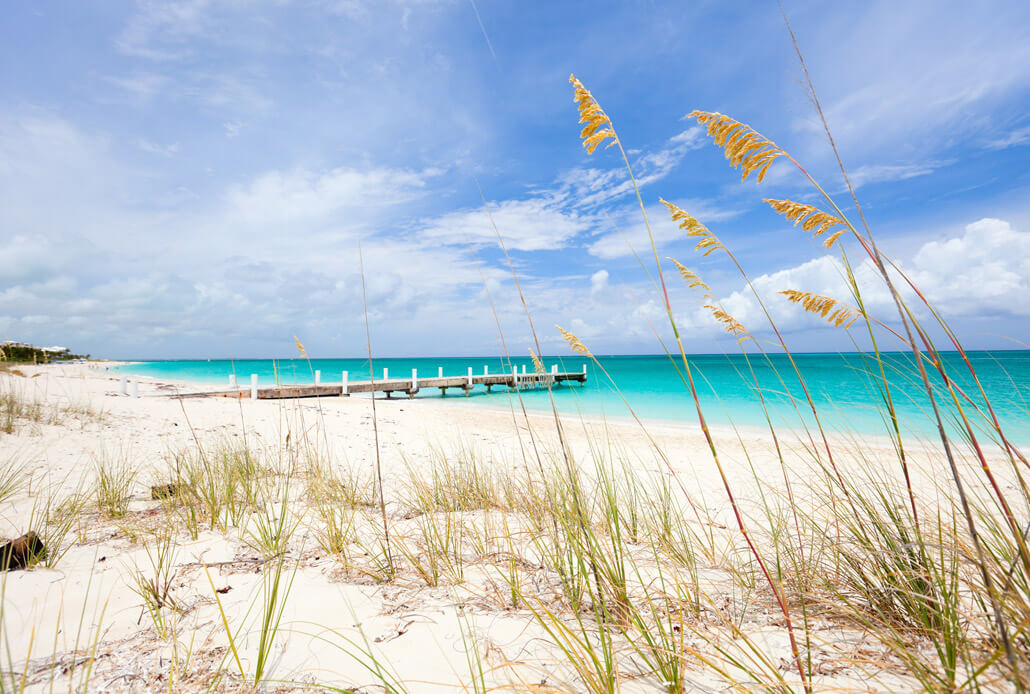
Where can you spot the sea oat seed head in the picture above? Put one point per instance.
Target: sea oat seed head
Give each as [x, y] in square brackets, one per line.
[709, 243]
[833, 311]
[742, 145]
[691, 278]
[300, 348]
[538, 365]
[574, 342]
[810, 218]
[729, 323]
[598, 127]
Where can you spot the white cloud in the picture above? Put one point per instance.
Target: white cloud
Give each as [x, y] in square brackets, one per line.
[303, 195]
[598, 281]
[161, 150]
[982, 273]
[1019, 136]
[884, 173]
[526, 225]
[591, 187]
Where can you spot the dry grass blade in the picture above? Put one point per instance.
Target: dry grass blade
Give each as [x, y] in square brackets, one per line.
[729, 323]
[810, 219]
[574, 342]
[598, 127]
[744, 147]
[709, 242]
[300, 348]
[837, 313]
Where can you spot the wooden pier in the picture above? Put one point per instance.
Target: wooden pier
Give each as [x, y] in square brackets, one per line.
[407, 386]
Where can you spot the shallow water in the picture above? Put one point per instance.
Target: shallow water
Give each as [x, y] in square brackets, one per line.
[846, 388]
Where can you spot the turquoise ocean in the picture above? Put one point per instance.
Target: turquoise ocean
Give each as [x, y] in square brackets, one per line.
[846, 388]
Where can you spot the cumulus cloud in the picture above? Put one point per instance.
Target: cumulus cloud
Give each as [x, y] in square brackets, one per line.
[598, 281]
[982, 273]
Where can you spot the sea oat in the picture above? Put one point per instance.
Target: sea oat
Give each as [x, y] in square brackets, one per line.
[598, 127]
[709, 242]
[840, 315]
[691, 278]
[574, 342]
[538, 365]
[729, 323]
[744, 147]
[811, 219]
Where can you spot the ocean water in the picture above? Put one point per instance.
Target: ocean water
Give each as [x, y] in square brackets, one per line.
[846, 388]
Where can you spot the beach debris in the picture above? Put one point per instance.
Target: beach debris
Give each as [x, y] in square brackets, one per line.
[164, 491]
[19, 552]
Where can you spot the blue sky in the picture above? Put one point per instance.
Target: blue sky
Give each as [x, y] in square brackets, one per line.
[192, 178]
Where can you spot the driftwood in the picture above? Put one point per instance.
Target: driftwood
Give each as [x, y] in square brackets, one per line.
[20, 552]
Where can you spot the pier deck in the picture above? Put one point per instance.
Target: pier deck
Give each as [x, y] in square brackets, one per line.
[406, 386]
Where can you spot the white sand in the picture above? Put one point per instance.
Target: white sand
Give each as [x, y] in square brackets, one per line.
[415, 629]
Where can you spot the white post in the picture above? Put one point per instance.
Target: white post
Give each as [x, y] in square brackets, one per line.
[386, 374]
[344, 391]
[318, 377]
[439, 372]
[554, 368]
[232, 380]
[414, 379]
[515, 376]
[470, 377]
[253, 386]
[486, 370]
[134, 389]
[584, 369]
[523, 369]
[123, 385]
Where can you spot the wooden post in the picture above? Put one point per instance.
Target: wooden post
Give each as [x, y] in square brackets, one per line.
[343, 390]
[470, 380]
[134, 389]
[253, 386]
[318, 377]
[386, 374]
[523, 369]
[123, 385]
[439, 372]
[232, 380]
[414, 379]
[554, 369]
[486, 370]
[584, 369]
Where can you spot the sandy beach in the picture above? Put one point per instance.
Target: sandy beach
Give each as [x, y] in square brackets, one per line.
[81, 617]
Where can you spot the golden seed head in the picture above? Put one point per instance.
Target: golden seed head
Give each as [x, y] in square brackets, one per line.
[574, 342]
[810, 219]
[833, 311]
[538, 365]
[729, 323]
[691, 278]
[598, 127]
[709, 243]
[300, 348]
[743, 146]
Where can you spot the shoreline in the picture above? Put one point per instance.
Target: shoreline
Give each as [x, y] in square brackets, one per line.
[546, 416]
[435, 459]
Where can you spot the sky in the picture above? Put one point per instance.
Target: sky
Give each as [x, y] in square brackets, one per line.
[210, 178]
